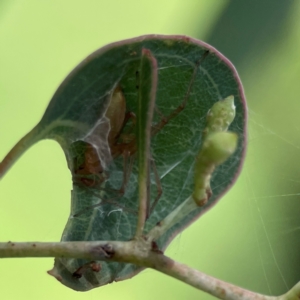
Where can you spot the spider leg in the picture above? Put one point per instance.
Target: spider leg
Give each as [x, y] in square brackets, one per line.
[126, 172]
[157, 127]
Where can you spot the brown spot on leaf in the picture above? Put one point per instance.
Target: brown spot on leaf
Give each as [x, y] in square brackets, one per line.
[94, 266]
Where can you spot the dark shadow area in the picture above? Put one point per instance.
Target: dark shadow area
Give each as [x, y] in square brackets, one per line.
[248, 28]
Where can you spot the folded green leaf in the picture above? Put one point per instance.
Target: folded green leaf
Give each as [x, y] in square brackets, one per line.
[92, 116]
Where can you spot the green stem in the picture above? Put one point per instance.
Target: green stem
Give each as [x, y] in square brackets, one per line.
[22, 145]
[139, 253]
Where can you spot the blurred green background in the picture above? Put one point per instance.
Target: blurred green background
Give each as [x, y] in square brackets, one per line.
[252, 237]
